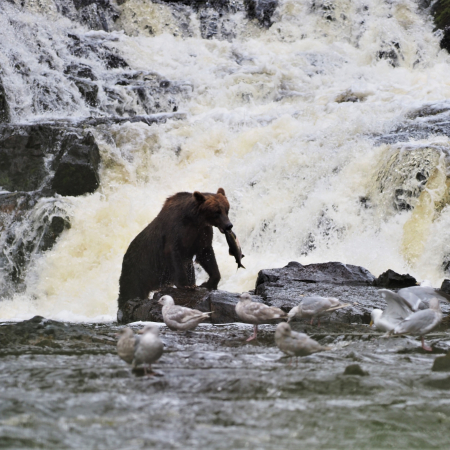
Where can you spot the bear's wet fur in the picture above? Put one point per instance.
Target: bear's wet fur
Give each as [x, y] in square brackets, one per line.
[162, 254]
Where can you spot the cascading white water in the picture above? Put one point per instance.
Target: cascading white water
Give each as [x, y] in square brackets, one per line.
[264, 122]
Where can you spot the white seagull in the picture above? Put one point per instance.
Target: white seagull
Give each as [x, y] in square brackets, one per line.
[315, 307]
[295, 344]
[421, 322]
[397, 309]
[180, 318]
[149, 347]
[257, 313]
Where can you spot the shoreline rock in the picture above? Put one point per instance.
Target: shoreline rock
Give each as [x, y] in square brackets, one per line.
[284, 288]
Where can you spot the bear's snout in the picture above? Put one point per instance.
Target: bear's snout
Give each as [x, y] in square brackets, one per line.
[229, 227]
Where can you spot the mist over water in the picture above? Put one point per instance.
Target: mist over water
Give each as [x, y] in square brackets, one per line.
[285, 119]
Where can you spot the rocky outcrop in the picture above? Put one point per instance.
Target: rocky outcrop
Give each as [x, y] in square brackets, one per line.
[392, 280]
[48, 158]
[283, 288]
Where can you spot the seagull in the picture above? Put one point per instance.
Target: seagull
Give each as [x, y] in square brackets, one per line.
[126, 344]
[180, 318]
[314, 307]
[421, 322]
[145, 348]
[295, 344]
[397, 309]
[148, 348]
[419, 296]
[257, 313]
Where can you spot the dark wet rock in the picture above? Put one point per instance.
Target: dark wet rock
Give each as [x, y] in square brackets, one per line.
[222, 304]
[445, 286]
[285, 287]
[355, 369]
[95, 14]
[39, 335]
[350, 96]
[390, 53]
[391, 279]
[438, 383]
[77, 169]
[440, 11]
[26, 151]
[441, 364]
[31, 224]
[261, 10]
[4, 105]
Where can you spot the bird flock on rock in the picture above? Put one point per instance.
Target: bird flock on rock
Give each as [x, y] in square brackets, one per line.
[413, 311]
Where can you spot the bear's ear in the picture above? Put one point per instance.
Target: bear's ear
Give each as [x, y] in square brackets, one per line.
[199, 197]
[221, 191]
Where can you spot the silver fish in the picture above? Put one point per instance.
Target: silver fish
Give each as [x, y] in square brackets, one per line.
[234, 247]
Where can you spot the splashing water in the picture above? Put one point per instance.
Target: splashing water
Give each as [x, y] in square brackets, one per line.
[283, 119]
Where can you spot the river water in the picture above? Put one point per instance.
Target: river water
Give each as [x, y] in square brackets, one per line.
[265, 120]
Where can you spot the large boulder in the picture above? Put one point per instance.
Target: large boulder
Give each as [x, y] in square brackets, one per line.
[27, 152]
[285, 288]
[77, 168]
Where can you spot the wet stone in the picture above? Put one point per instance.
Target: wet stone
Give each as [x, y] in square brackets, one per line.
[355, 369]
[441, 364]
[391, 279]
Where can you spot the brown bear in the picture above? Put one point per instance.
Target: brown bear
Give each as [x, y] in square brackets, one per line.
[162, 254]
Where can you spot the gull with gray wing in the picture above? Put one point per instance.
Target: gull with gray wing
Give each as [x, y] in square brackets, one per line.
[314, 307]
[126, 344]
[295, 344]
[397, 310]
[149, 347]
[180, 318]
[421, 322]
[257, 313]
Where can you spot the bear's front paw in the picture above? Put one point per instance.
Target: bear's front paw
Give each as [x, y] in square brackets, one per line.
[209, 285]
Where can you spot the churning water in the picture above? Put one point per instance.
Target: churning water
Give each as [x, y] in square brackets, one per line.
[289, 120]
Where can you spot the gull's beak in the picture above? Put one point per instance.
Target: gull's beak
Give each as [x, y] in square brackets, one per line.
[371, 323]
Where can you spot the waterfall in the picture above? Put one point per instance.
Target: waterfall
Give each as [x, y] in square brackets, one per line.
[326, 123]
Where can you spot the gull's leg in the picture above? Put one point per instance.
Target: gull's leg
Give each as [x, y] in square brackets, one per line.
[253, 336]
[426, 347]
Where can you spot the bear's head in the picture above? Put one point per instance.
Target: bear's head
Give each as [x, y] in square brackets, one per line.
[214, 208]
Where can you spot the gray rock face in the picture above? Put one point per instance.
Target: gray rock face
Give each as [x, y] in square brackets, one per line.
[283, 288]
[391, 279]
[77, 169]
[28, 151]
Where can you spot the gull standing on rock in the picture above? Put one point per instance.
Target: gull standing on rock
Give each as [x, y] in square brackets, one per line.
[257, 313]
[315, 307]
[397, 309]
[180, 318]
[126, 344]
[149, 347]
[421, 322]
[295, 344]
